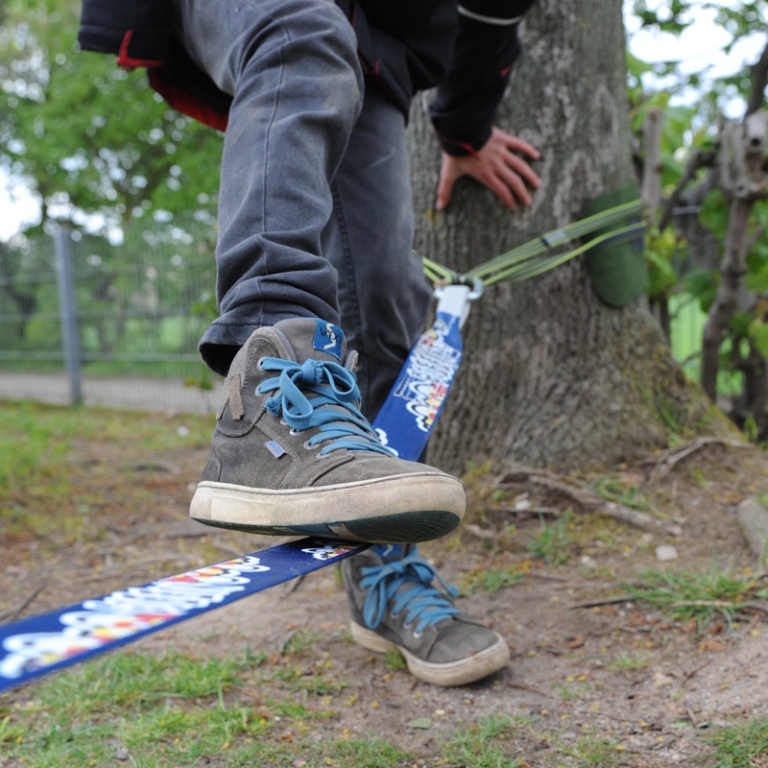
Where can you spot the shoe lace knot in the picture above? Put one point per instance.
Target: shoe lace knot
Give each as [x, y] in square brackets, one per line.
[408, 584]
[301, 393]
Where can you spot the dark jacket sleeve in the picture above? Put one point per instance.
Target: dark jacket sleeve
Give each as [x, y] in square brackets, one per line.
[486, 48]
[140, 34]
[137, 31]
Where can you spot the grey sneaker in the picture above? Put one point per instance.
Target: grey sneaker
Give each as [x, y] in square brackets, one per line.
[395, 605]
[293, 454]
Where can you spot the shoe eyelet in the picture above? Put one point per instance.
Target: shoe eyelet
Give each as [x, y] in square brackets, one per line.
[260, 363]
[292, 432]
[307, 446]
[416, 635]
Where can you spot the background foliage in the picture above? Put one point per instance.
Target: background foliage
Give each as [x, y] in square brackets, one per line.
[96, 145]
[689, 232]
[102, 153]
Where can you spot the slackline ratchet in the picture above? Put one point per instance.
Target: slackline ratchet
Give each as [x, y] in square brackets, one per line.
[33, 647]
[41, 644]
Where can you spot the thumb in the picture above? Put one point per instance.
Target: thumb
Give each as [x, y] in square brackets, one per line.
[444, 190]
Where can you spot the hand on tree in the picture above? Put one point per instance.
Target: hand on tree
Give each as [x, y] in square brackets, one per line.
[497, 165]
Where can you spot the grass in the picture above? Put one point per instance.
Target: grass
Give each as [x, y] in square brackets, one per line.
[629, 495]
[490, 580]
[487, 744]
[698, 594]
[177, 710]
[164, 710]
[394, 660]
[687, 333]
[553, 542]
[39, 483]
[288, 709]
[631, 662]
[741, 744]
[33, 442]
[35, 437]
[595, 752]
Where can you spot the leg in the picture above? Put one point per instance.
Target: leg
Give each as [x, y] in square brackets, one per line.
[382, 292]
[291, 452]
[384, 300]
[292, 68]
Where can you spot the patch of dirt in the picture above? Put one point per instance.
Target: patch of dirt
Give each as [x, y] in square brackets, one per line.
[583, 662]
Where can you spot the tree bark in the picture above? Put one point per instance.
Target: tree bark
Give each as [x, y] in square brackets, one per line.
[553, 377]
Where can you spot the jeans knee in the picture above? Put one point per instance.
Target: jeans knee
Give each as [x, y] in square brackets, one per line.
[315, 40]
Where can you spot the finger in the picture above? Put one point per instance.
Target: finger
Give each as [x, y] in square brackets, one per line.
[520, 145]
[505, 184]
[521, 168]
[516, 186]
[444, 189]
[502, 190]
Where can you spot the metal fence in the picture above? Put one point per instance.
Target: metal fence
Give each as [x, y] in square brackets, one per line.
[86, 320]
[83, 319]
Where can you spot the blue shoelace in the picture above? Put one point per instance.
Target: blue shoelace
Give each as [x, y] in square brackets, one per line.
[333, 385]
[423, 603]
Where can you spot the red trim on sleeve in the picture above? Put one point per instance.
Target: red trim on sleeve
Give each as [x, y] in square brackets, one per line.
[126, 61]
[184, 102]
[468, 148]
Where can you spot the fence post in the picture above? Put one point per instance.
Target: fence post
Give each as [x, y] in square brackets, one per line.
[70, 329]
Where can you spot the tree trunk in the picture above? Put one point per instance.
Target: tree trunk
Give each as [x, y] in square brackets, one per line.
[552, 376]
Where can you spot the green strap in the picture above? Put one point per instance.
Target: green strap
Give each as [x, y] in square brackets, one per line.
[521, 262]
[437, 273]
[532, 268]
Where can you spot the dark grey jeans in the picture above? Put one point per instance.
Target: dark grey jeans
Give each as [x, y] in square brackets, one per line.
[315, 208]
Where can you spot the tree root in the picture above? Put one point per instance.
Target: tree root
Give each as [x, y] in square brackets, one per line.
[589, 500]
[666, 462]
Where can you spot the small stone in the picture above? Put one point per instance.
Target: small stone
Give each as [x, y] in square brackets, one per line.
[588, 562]
[666, 552]
[660, 679]
[123, 753]
[753, 519]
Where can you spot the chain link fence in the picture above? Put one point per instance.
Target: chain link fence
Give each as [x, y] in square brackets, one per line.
[86, 320]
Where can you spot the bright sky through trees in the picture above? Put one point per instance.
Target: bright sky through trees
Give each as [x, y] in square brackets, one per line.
[699, 46]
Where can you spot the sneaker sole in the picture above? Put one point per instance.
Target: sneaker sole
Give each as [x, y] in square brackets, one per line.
[462, 672]
[424, 507]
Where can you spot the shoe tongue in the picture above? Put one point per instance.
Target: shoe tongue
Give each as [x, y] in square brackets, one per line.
[313, 339]
[388, 553]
